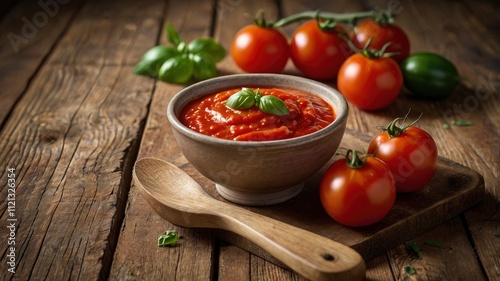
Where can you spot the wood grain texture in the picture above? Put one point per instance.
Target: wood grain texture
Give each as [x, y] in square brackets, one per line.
[193, 258]
[27, 35]
[70, 139]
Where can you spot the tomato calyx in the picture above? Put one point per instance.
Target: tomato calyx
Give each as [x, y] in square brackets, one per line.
[394, 130]
[372, 53]
[353, 160]
[384, 17]
[260, 20]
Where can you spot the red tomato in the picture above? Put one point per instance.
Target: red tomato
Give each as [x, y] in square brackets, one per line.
[358, 196]
[318, 53]
[370, 84]
[410, 153]
[380, 35]
[260, 49]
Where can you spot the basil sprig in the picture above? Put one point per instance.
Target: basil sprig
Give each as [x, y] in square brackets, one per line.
[169, 238]
[247, 98]
[181, 62]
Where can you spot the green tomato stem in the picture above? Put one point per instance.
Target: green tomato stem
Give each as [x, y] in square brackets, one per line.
[353, 160]
[393, 130]
[351, 18]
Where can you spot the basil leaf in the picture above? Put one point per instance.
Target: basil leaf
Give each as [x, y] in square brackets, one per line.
[182, 48]
[273, 105]
[172, 35]
[153, 59]
[159, 52]
[410, 270]
[414, 249]
[147, 68]
[169, 238]
[461, 123]
[176, 70]
[207, 46]
[241, 100]
[204, 67]
[435, 244]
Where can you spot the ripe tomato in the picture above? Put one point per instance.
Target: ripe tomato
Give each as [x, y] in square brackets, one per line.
[260, 49]
[410, 153]
[370, 83]
[381, 34]
[318, 53]
[357, 192]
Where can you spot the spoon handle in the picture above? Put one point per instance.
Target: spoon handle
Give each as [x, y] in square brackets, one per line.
[314, 256]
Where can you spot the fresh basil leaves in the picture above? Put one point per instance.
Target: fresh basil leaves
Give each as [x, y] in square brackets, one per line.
[169, 238]
[246, 98]
[180, 62]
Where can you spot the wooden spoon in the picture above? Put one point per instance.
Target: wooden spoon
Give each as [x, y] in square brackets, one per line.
[178, 198]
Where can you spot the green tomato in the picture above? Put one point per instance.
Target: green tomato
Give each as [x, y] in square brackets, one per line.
[176, 70]
[429, 76]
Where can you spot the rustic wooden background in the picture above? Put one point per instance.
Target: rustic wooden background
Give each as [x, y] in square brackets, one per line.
[74, 119]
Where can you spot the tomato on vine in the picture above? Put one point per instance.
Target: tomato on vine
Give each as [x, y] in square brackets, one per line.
[317, 50]
[260, 48]
[357, 191]
[410, 153]
[380, 33]
[369, 80]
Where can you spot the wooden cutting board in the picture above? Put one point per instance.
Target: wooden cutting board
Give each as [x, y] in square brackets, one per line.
[453, 189]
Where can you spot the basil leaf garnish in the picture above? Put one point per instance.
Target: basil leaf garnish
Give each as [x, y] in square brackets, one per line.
[169, 238]
[247, 97]
[241, 100]
[273, 105]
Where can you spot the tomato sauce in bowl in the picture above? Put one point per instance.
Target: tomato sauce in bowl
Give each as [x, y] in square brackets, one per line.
[210, 116]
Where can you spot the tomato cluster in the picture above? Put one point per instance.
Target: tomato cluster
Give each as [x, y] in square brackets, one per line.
[367, 55]
[357, 191]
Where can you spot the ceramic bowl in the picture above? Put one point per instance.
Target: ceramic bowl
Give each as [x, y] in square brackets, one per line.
[258, 173]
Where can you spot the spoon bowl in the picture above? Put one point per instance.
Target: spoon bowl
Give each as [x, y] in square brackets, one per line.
[178, 198]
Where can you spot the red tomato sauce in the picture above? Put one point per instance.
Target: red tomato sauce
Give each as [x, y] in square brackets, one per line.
[210, 116]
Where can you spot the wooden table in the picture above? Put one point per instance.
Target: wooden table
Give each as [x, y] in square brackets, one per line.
[74, 119]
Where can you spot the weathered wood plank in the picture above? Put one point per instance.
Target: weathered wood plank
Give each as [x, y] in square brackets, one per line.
[193, 258]
[27, 34]
[70, 187]
[464, 33]
[71, 139]
[435, 262]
